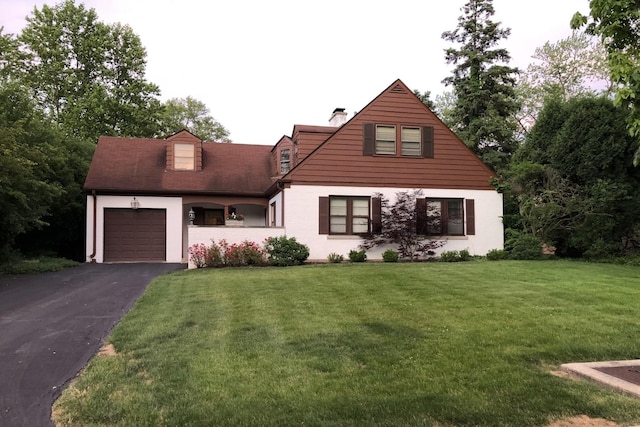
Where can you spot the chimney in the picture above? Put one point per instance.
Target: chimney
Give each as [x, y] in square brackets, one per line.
[338, 117]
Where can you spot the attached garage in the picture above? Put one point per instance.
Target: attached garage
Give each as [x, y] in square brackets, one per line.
[135, 234]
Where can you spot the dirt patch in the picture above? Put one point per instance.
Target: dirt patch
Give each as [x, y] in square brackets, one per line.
[583, 421]
[107, 350]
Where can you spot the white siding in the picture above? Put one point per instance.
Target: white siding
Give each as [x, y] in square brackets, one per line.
[173, 206]
[301, 216]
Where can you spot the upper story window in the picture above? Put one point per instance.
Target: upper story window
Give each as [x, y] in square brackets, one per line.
[385, 139]
[391, 140]
[410, 139]
[348, 215]
[184, 157]
[285, 160]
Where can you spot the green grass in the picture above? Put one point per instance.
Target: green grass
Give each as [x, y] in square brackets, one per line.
[423, 344]
[36, 265]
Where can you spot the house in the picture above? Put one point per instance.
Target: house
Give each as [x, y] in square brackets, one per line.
[149, 199]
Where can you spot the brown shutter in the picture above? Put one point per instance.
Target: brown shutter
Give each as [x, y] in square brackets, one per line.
[323, 217]
[421, 216]
[427, 142]
[368, 143]
[376, 215]
[471, 217]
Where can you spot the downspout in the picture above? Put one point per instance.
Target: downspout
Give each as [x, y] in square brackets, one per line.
[92, 257]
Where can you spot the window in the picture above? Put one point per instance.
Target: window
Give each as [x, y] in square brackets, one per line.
[348, 215]
[285, 155]
[183, 157]
[415, 141]
[445, 217]
[410, 137]
[385, 139]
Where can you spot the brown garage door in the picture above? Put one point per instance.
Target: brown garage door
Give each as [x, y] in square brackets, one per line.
[135, 235]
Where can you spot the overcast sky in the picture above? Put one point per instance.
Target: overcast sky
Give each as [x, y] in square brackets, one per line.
[263, 66]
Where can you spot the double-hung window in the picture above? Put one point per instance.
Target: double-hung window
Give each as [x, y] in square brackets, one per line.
[285, 160]
[445, 217]
[385, 139]
[349, 215]
[184, 156]
[411, 138]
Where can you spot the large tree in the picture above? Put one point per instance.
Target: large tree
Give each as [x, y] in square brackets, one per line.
[570, 67]
[575, 183]
[617, 23]
[483, 84]
[87, 76]
[193, 115]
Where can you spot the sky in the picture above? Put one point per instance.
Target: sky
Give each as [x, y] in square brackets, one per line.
[263, 66]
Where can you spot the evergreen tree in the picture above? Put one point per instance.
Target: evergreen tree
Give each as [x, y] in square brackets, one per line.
[484, 113]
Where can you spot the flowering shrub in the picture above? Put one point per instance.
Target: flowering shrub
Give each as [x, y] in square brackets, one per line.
[197, 254]
[223, 254]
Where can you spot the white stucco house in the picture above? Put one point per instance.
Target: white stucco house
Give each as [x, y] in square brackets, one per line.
[317, 185]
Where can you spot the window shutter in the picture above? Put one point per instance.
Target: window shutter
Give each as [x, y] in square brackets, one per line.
[368, 143]
[323, 217]
[376, 215]
[471, 217]
[427, 142]
[421, 216]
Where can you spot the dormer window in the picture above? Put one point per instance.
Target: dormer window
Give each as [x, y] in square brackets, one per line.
[285, 160]
[184, 157]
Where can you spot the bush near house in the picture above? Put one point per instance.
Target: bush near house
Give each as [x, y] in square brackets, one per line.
[390, 255]
[335, 258]
[223, 254]
[283, 251]
[357, 256]
[455, 256]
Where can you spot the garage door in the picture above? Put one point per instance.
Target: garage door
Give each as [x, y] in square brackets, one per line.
[135, 235]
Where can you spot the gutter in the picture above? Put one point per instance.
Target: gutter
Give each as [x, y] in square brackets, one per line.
[95, 214]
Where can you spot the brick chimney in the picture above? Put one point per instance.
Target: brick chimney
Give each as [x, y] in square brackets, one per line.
[338, 117]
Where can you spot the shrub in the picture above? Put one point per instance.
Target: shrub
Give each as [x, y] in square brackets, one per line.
[335, 258]
[526, 246]
[455, 256]
[497, 255]
[283, 251]
[222, 254]
[197, 254]
[390, 255]
[358, 256]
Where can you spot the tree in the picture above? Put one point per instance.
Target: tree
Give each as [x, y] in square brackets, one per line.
[574, 178]
[484, 89]
[617, 23]
[87, 76]
[193, 115]
[399, 227]
[425, 98]
[27, 152]
[570, 67]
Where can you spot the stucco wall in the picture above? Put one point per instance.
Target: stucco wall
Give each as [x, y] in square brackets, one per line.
[301, 214]
[173, 206]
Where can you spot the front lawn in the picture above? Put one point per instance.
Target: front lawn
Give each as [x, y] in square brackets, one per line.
[425, 344]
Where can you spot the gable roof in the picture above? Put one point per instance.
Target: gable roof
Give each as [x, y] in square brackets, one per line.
[138, 165]
[339, 160]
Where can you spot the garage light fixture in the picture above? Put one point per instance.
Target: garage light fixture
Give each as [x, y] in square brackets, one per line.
[135, 204]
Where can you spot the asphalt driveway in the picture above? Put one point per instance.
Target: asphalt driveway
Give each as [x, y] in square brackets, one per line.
[51, 325]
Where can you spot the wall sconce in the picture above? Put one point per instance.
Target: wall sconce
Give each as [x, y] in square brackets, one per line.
[192, 216]
[135, 204]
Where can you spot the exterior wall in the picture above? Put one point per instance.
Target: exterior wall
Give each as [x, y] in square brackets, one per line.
[302, 220]
[196, 234]
[173, 206]
[340, 160]
[278, 200]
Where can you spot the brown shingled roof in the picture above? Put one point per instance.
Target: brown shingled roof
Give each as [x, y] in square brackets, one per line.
[138, 165]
